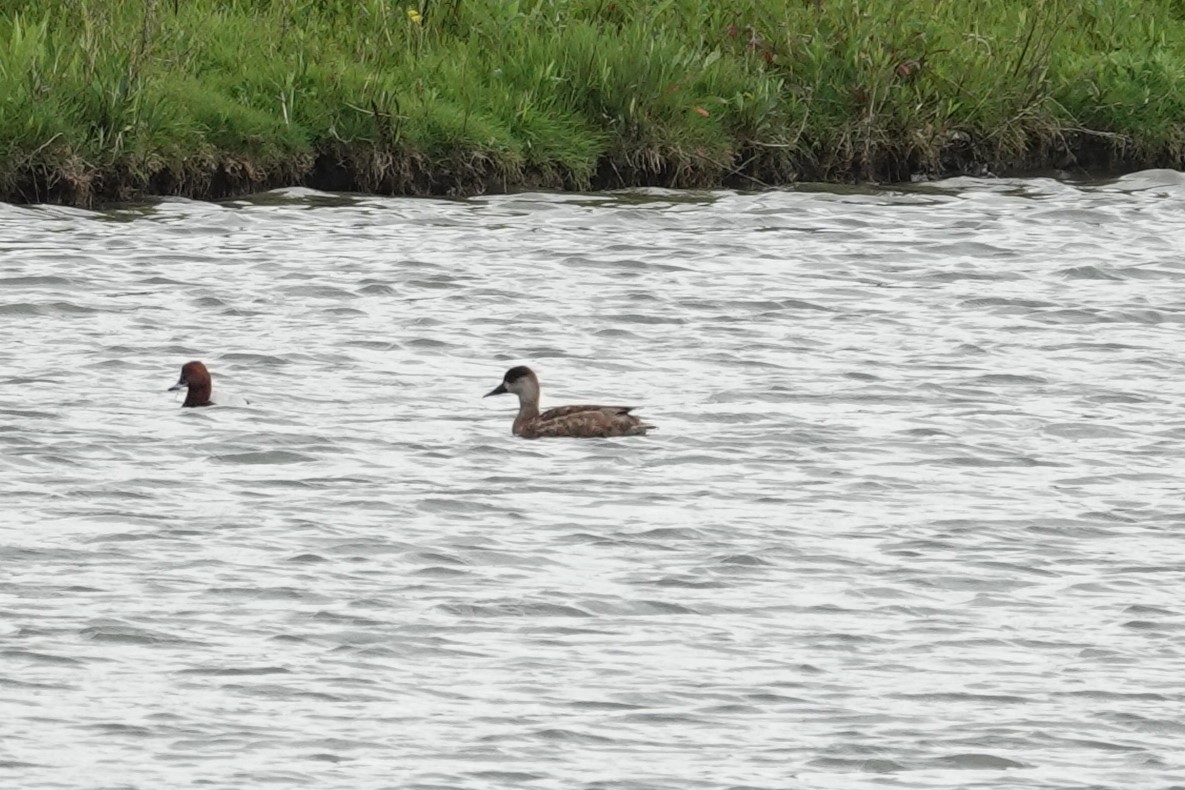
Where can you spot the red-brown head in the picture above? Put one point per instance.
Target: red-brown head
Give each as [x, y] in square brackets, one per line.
[196, 379]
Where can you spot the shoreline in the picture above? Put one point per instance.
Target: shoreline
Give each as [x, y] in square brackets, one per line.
[330, 174]
[108, 101]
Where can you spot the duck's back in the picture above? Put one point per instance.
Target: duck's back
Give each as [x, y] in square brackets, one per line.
[585, 422]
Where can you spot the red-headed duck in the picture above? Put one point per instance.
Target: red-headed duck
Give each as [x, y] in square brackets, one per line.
[574, 421]
[196, 379]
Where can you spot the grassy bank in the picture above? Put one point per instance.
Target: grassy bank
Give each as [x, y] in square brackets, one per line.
[109, 99]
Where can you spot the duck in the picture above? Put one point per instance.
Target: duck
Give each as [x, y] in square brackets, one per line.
[582, 422]
[196, 379]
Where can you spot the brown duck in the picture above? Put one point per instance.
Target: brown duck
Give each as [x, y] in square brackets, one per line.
[196, 380]
[574, 421]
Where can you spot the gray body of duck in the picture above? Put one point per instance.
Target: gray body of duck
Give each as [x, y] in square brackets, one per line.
[583, 422]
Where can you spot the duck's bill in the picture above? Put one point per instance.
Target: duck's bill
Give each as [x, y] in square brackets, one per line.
[180, 385]
[498, 390]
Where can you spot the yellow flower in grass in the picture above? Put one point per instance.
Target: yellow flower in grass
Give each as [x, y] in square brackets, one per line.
[414, 15]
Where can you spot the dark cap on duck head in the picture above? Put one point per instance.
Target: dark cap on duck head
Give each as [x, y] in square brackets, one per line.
[512, 375]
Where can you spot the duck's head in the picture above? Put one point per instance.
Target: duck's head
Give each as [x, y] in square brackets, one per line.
[520, 380]
[196, 379]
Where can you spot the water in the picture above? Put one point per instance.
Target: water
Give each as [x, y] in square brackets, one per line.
[912, 517]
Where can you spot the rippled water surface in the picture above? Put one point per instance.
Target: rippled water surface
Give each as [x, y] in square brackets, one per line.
[912, 518]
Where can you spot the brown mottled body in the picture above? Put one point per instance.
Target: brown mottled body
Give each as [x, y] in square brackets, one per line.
[581, 422]
[196, 379]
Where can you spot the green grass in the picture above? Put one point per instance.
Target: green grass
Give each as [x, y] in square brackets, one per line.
[110, 99]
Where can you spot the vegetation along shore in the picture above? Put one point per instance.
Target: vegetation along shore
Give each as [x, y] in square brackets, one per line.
[105, 100]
